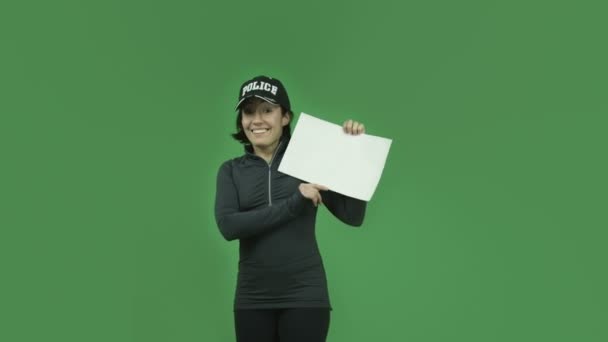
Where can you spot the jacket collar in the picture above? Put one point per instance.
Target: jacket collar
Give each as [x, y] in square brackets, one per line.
[281, 147]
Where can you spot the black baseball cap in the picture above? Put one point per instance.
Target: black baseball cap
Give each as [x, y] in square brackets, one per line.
[266, 88]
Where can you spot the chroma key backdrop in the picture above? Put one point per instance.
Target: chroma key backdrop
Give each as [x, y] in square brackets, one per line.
[488, 225]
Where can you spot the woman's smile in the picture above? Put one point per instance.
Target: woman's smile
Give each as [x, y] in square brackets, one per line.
[259, 131]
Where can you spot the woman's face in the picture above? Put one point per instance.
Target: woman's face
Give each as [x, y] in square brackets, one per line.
[263, 123]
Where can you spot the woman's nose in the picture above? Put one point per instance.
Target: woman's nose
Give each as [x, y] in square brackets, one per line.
[257, 116]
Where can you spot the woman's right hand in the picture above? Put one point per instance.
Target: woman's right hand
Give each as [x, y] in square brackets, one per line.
[312, 192]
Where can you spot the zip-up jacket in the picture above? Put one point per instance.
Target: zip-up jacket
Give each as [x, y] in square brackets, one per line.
[279, 260]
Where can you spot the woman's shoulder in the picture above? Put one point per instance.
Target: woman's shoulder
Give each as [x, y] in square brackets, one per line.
[233, 162]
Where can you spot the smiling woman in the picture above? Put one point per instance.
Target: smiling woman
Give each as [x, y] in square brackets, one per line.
[263, 105]
[263, 123]
[281, 293]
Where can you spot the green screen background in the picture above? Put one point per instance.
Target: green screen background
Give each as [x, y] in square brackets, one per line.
[489, 223]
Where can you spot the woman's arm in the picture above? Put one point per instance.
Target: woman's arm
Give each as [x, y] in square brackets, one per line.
[349, 210]
[235, 224]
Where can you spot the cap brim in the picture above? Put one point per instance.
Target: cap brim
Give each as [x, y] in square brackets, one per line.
[269, 100]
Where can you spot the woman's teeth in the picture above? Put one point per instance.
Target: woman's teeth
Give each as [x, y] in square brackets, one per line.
[257, 131]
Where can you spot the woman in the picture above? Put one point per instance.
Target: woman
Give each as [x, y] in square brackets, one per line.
[281, 293]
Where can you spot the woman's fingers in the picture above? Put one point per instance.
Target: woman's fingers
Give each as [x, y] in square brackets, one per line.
[316, 198]
[312, 192]
[320, 187]
[353, 127]
[361, 129]
[348, 126]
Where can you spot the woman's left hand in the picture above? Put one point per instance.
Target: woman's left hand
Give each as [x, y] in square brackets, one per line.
[353, 127]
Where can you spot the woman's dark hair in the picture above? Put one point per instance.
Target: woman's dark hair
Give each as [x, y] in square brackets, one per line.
[242, 138]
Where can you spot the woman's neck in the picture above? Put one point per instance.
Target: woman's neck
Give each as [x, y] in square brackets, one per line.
[266, 152]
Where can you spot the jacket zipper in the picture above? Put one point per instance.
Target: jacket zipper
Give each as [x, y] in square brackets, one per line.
[269, 174]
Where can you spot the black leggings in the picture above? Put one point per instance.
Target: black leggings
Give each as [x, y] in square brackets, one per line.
[282, 325]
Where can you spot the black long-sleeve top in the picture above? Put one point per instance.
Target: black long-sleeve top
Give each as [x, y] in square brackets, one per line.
[279, 260]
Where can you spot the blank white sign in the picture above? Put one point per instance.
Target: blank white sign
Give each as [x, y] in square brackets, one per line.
[321, 152]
